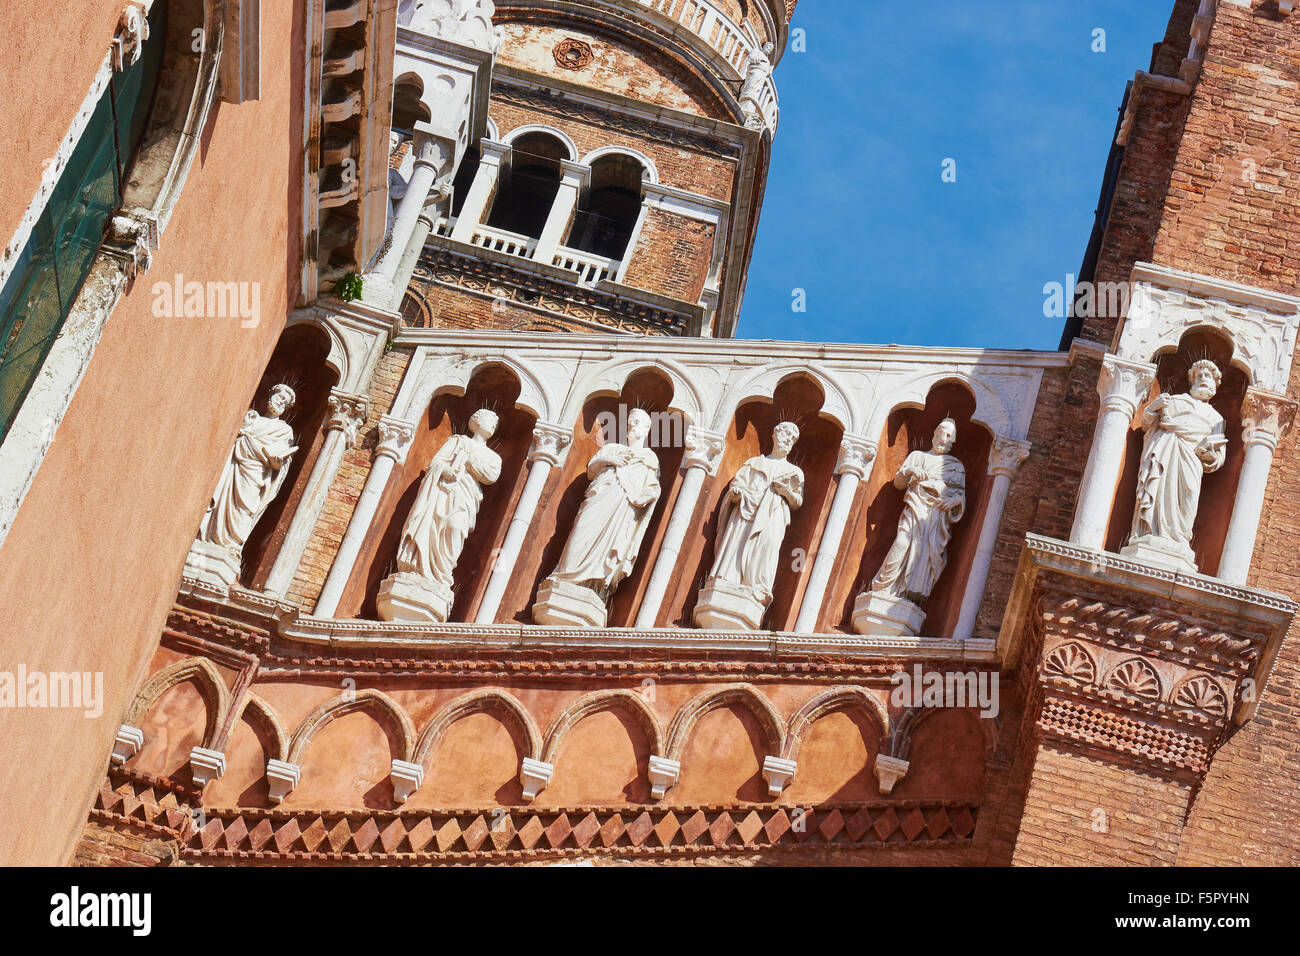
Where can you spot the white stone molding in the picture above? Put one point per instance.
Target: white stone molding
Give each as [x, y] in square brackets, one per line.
[1265, 417]
[778, 772]
[889, 770]
[395, 437]
[1167, 303]
[126, 744]
[1005, 459]
[206, 765]
[1123, 386]
[534, 775]
[406, 778]
[651, 171]
[854, 464]
[281, 778]
[664, 774]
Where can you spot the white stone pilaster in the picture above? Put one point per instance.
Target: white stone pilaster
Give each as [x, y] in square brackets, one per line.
[549, 449]
[481, 191]
[1005, 459]
[433, 160]
[1123, 386]
[394, 442]
[703, 453]
[574, 178]
[856, 456]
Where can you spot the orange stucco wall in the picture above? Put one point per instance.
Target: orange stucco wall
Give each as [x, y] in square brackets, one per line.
[90, 567]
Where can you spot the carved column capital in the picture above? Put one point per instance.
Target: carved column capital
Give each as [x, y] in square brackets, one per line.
[703, 450]
[550, 443]
[1266, 417]
[1007, 455]
[394, 439]
[347, 414]
[431, 151]
[1124, 384]
[856, 456]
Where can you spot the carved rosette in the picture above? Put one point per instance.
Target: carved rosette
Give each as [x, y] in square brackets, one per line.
[856, 456]
[347, 415]
[550, 444]
[394, 439]
[1007, 456]
[1266, 417]
[1124, 385]
[572, 54]
[1135, 665]
[703, 450]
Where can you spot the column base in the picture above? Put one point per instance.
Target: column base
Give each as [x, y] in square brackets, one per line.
[883, 614]
[567, 604]
[408, 597]
[212, 564]
[724, 606]
[1161, 553]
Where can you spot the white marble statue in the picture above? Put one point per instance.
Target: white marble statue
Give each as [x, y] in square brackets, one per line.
[252, 476]
[935, 500]
[446, 508]
[758, 68]
[607, 533]
[611, 523]
[755, 514]
[1184, 441]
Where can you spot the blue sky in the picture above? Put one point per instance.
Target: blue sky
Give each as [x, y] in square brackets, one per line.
[856, 212]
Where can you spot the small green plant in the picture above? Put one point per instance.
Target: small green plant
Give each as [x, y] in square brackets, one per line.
[348, 287]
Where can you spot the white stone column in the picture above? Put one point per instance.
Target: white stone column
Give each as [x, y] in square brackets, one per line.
[856, 456]
[1123, 386]
[433, 160]
[703, 453]
[474, 210]
[550, 447]
[1265, 418]
[347, 414]
[394, 442]
[573, 180]
[1005, 459]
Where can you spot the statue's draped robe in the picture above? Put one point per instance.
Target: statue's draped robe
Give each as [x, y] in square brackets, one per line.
[446, 508]
[930, 508]
[752, 527]
[612, 521]
[248, 482]
[1169, 482]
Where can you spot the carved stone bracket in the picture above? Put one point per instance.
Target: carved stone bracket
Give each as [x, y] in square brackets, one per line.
[1146, 665]
[132, 31]
[132, 240]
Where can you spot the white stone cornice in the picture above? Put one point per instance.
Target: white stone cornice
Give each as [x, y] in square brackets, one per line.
[1167, 303]
[534, 775]
[1007, 455]
[550, 443]
[1123, 385]
[281, 778]
[703, 450]
[406, 777]
[126, 744]
[663, 776]
[206, 765]
[394, 439]
[856, 456]
[347, 414]
[778, 772]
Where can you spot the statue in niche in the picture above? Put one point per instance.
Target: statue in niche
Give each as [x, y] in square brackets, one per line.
[752, 523]
[252, 476]
[1184, 441]
[607, 533]
[445, 512]
[934, 484]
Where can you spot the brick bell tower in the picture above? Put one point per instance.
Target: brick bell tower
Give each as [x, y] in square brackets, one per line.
[619, 177]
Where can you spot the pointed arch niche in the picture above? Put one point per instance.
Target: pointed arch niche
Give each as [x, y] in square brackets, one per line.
[494, 387]
[300, 360]
[647, 389]
[872, 532]
[1218, 490]
[797, 398]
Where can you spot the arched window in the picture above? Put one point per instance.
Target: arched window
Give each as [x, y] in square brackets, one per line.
[49, 272]
[528, 185]
[608, 211]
